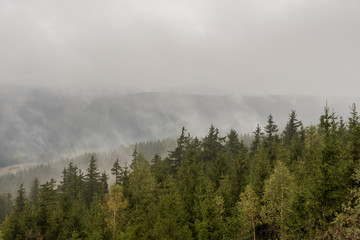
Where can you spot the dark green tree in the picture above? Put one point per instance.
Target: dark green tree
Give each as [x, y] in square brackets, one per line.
[103, 179]
[271, 130]
[353, 137]
[93, 185]
[134, 157]
[258, 134]
[116, 170]
[211, 145]
[34, 193]
[291, 128]
[177, 155]
[233, 143]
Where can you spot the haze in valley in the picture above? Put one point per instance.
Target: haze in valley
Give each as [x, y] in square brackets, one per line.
[84, 75]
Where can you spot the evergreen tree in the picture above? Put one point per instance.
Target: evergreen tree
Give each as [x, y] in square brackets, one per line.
[72, 182]
[233, 143]
[20, 199]
[260, 170]
[353, 138]
[134, 157]
[271, 139]
[211, 145]
[239, 171]
[34, 193]
[116, 170]
[103, 179]
[47, 207]
[177, 155]
[188, 176]
[93, 184]
[18, 224]
[346, 224]
[209, 211]
[291, 128]
[256, 142]
[170, 220]
[271, 130]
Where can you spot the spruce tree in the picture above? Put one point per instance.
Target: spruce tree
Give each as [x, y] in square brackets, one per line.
[211, 145]
[116, 171]
[256, 142]
[34, 193]
[177, 155]
[291, 128]
[353, 140]
[93, 185]
[233, 143]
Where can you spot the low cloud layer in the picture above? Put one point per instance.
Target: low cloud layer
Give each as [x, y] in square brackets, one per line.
[224, 47]
[41, 125]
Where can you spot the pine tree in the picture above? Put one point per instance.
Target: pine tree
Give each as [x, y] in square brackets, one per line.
[188, 176]
[291, 128]
[354, 136]
[92, 181]
[170, 221]
[72, 182]
[211, 145]
[103, 179]
[271, 139]
[271, 130]
[177, 155]
[20, 199]
[47, 206]
[256, 142]
[15, 225]
[233, 143]
[116, 171]
[134, 157]
[239, 175]
[259, 170]
[34, 193]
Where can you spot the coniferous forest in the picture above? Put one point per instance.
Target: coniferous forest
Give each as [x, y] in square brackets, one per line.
[302, 182]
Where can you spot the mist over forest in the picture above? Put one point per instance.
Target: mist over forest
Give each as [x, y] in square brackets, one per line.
[179, 119]
[41, 125]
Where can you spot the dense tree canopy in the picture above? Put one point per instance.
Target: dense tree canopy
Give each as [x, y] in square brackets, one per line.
[301, 183]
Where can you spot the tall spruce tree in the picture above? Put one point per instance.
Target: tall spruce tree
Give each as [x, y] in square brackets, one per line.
[177, 155]
[233, 143]
[211, 145]
[258, 134]
[291, 128]
[34, 192]
[93, 184]
[353, 138]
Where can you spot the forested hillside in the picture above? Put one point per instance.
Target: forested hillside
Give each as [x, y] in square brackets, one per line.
[42, 125]
[10, 182]
[299, 183]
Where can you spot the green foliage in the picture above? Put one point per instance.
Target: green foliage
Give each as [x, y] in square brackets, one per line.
[277, 201]
[249, 213]
[93, 184]
[289, 186]
[346, 224]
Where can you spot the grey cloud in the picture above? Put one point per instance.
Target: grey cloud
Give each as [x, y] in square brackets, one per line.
[233, 47]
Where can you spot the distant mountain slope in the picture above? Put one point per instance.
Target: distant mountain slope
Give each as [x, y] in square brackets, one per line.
[11, 177]
[38, 125]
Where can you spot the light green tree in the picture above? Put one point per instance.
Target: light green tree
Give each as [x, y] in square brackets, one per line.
[278, 197]
[249, 212]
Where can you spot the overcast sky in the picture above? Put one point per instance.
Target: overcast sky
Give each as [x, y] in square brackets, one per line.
[309, 47]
